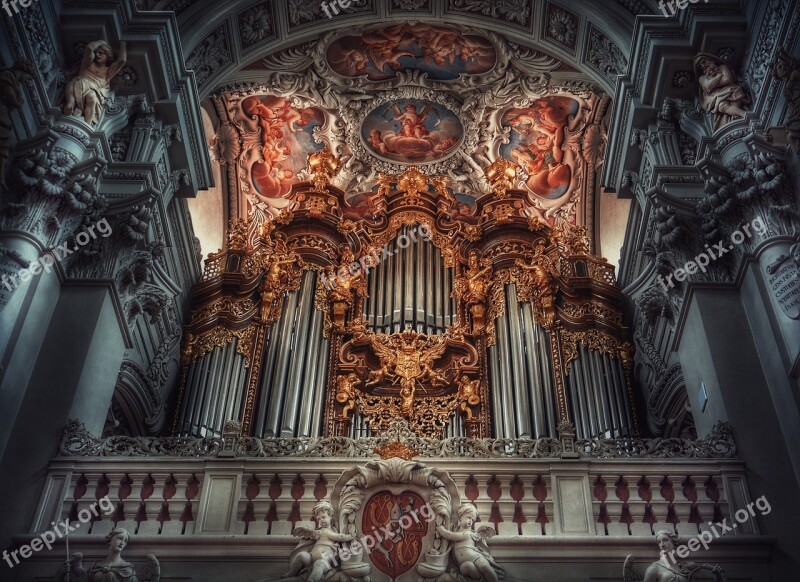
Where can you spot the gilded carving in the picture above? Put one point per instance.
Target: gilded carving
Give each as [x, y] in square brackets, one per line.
[472, 288]
[538, 284]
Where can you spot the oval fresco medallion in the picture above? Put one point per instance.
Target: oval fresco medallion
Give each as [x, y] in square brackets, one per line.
[412, 131]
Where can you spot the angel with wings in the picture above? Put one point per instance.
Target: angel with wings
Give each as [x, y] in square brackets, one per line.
[412, 122]
[669, 568]
[318, 548]
[470, 550]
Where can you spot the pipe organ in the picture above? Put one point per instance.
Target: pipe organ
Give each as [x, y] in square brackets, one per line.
[484, 323]
[412, 287]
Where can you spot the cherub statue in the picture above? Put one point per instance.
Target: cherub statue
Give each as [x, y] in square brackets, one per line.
[720, 94]
[72, 570]
[319, 547]
[669, 568]
[88, 90]
[469, 547]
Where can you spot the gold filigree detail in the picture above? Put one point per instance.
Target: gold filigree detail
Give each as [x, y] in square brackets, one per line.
[413, 183]
[396, 449]
[472, 288]
[322, 166]
[408, 358]
[236, 307]
[429, 416]
[199, 345]
[502, 175]
[538, 284]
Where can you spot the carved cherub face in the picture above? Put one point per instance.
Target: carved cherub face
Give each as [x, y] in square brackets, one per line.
[323, 518]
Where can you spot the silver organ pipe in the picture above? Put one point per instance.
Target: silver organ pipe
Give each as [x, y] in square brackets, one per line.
[598, 395]
[412, 287]
[295, 367]
[215, 387]
[520, 374]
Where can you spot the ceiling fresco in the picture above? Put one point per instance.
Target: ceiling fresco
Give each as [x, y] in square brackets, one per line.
[442, 52]
[384, 99]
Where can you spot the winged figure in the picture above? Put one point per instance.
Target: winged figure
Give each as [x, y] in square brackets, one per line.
[470, 550]
[407, 358]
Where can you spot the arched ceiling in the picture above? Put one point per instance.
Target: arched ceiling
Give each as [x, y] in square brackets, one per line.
[570, 52]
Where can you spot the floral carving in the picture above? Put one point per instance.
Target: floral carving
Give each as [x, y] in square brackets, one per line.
[255, 25]
[211, 55]
[605, 56]
[562, 26]
[518, 11]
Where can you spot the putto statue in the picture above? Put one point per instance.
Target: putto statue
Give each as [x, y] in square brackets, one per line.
[669, 568]
[720, 94]
[470, 551]
[88, 90]
[317, 554]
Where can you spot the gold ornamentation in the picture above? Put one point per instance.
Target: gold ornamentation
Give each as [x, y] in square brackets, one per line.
[236, 307]
[253, 380]
[502, 175]
[344, 287]
[572, 239]
[442, 185]
[396, 449]
[472, 288]
[283, 270]
[237, 234]
[346, 391]
[428, 418]
[407, 357]
[201, 344]
[502, 213]
[468, 395]
[538, 284]
[322, 166]
[413, 183]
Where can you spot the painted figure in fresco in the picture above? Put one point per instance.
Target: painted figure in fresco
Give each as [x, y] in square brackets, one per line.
[88, 90]
[412, 122]
[279, 123]
[445, 52]
[114, 568]
[469, 547]
[541, 131]
[720, 94]
[318, 547]
[667, 569]
[411, 131]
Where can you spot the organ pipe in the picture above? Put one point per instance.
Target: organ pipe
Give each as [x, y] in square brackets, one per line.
[598, 393]
[215, 391]
[294, 368]
[412, 287]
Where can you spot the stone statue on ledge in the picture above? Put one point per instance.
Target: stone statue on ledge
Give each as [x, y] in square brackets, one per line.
[316, 556]
[720, 94]
[669, 568]
[115, 569]
[470, 551]
[88, 90]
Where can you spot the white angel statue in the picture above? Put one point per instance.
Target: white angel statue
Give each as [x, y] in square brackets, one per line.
[470, 550]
